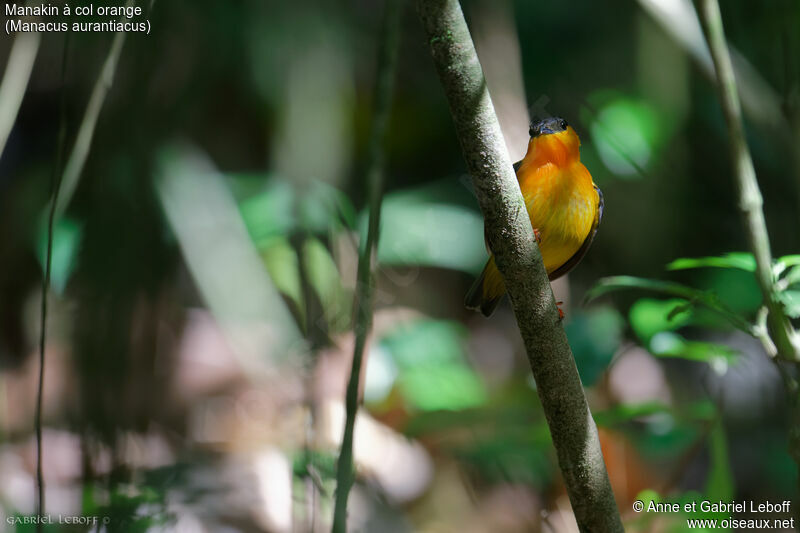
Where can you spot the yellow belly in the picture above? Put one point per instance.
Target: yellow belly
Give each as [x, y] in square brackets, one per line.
[562, 206]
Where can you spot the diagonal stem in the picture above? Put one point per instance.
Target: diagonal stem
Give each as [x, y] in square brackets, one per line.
[779, 331]
[750, 201]
[83, 142]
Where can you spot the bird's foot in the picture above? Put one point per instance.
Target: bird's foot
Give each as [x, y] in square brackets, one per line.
[537, 235]
[561, 314]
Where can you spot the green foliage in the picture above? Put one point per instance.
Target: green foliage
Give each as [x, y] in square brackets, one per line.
[745, 295]
[442, 385]
[720, 484]
[281, 208]
[719, 487]
[649, 317]
[275, 212]
[625, 413]
[318, 465]
[741, 260]
[668, 344]
[433, 373]
[784, 262]
[655, 321]
[269, 213]
[627, 132]
[594, 337]
[681, 421]
[417, 229]
[505, 440]
[792, 277]
[791, 302]
[734, 294]
[736, 289]
[281, 260]
[67, 234]
[135, 512]
[326, 282]
[130, 509]
[283, 266]
[694, 296]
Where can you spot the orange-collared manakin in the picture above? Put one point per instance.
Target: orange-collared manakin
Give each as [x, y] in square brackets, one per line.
[564, 204]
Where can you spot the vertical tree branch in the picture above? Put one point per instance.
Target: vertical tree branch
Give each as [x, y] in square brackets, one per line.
[750, 201]
[780, 337]
[55, 187]
[67, 181]
[510, 235]
[387, 58]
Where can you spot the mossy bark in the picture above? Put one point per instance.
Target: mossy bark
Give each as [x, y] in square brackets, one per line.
[510, 236]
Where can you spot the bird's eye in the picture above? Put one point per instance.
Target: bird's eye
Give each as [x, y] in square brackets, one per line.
[564, 124]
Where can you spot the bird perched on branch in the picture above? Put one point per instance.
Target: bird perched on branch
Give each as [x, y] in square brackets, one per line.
[564, 204]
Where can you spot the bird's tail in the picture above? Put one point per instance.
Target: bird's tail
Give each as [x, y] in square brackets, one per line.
[487, 291]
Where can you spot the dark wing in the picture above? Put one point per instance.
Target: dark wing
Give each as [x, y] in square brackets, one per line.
[576, 258]
[517, 165]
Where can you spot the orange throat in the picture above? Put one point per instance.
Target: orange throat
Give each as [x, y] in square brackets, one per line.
[561, 149]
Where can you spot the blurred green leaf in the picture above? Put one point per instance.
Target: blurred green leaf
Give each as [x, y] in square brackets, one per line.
[648, 496]
[791, 302]
[626, 133]
[720, 483]
[511, 407]
[789, 260]
[426, 341]
[693, 412]
[67, 235]
[694, 296]
[280, 208]
[594, 337]
[740, 260]
[668, 344]
[792, 277]
[321, 462]
[649, 316]
[704, 410]
[281, 262]
[617, 283]
[627, 412]
[433, 373]
[736, 289]
[448, 386]
[417, 232]
[269, 213]
[322, 205]
[325, 281]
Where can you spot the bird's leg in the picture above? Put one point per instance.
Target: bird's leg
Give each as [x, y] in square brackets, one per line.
[561, 314]
[537, 235]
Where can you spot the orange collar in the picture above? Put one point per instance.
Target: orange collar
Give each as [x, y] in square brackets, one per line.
[561, 149]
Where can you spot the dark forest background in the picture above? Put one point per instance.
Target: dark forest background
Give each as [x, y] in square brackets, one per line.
[199, 330]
